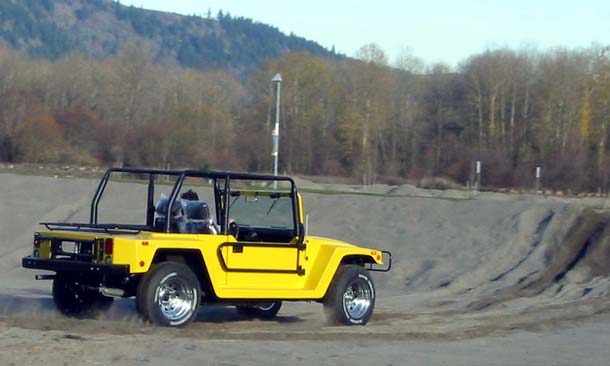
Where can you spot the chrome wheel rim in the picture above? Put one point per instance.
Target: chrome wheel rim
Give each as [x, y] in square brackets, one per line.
[357, 298]
[175, 298]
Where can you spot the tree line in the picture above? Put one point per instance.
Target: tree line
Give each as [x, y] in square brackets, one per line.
[101, 28]
[511, 109]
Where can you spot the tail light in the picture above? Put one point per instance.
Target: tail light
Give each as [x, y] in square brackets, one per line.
[108, 246]
[36, 252]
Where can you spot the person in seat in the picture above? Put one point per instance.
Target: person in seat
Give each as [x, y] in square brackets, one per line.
[190, 195]
[198, 219]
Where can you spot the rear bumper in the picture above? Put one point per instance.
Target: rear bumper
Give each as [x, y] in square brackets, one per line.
[65, 265]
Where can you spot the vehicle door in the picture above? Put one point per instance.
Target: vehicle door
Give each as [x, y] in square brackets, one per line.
[262, 240]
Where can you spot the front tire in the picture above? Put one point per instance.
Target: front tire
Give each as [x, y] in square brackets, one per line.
[262, 311]
[351, 297]
[169, 295]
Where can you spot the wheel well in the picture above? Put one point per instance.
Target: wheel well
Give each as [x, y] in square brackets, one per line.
[193, 259]
[358, 260]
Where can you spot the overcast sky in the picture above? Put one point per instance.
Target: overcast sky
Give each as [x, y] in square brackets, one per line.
[435, 30]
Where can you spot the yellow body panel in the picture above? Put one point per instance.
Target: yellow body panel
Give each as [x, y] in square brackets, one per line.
[45, 249]
[233, 274]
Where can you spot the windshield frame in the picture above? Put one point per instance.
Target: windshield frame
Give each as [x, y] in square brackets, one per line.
[271, 194]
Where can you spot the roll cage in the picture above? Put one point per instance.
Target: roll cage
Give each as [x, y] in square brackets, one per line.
[221, 183]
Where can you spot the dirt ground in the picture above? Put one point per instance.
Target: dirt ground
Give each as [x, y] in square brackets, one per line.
[495, 280]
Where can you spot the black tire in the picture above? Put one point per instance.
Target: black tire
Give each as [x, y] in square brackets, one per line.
[169, 295]
[102, 303]
[141, 297]
[262, 311]
[72, 300]
[351, 297]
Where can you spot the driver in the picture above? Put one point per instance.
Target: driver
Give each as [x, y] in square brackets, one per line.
[190, 195]
[198, 221]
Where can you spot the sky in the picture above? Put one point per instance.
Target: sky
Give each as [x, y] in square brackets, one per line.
[434, 30]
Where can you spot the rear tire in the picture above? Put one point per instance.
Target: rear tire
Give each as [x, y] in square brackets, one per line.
[169, 295]
[263, 311]
[102, 303]
[351, 297]
[72, 300]
[141, 297]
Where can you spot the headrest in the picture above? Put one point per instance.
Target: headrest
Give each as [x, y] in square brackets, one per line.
[161, 208]
[196, 210]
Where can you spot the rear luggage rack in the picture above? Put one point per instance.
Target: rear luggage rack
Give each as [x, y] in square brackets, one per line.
[100, 228]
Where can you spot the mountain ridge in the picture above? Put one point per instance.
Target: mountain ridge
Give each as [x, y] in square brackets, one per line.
[101, 28]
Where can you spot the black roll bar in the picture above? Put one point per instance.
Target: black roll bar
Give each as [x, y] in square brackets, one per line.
[181, 174]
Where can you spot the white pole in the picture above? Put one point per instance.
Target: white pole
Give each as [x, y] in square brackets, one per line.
[277, 79]
[478, 181]
[276, 130]
[537, 179]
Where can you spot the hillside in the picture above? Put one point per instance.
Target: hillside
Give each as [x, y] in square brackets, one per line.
[100, 28]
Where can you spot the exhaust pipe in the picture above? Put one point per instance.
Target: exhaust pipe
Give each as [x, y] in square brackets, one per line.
[106, 291]
[44, 277]
[112, 292]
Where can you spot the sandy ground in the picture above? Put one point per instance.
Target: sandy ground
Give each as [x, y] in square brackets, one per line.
[496, 280]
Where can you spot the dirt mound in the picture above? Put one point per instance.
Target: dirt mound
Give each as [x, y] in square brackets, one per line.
[571, 262]
[475, 252]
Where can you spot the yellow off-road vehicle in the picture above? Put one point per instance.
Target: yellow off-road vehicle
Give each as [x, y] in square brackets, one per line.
[202, 237]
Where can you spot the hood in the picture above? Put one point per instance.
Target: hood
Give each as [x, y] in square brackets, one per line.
[335, 242]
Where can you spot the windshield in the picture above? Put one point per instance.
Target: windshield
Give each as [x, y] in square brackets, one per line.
[262, 209]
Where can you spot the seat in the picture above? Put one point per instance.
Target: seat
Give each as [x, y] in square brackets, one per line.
[197, 218]
[161, 219]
